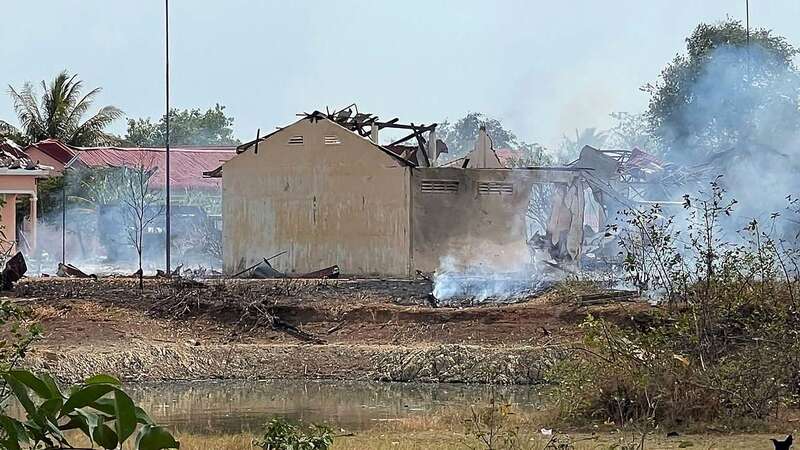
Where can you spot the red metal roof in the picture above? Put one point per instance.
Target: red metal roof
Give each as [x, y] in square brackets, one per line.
[55, 149]
[187, 164]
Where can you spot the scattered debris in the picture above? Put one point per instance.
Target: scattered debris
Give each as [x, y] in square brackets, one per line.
[68, 270]
[328, 272]
[265, 316]
[265, 260]
[14, 270]
[265, 270]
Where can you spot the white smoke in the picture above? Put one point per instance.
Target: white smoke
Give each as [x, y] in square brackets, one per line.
[455, 282]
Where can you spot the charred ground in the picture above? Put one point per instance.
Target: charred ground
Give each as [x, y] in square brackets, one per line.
[355, 324]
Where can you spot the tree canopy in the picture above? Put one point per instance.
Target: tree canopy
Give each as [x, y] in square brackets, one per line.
[460, 136]
[59, 114]
[187, 127]
[729, 87]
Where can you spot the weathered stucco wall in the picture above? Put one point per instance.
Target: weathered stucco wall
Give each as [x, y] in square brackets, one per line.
[325, 203]
[474, 216]
[12, 187]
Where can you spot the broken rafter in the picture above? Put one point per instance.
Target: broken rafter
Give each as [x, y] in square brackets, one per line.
[418, 130]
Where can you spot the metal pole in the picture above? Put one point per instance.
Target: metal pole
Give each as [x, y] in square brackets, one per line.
[747, 19]
[64, 217]
[167, 228]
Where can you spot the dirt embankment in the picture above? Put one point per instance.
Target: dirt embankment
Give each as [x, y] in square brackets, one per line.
[333, 329]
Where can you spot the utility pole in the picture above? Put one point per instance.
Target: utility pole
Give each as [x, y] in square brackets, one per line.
[168, 237]
[747, 19]
[65, 182]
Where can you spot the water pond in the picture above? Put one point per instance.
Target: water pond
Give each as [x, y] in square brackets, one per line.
[242, 406]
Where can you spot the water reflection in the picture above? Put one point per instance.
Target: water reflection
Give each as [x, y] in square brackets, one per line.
[234, 406]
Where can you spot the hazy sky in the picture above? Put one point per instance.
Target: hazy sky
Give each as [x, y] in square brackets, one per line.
[541, 67]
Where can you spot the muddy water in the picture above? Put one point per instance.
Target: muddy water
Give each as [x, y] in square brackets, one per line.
[236, 406]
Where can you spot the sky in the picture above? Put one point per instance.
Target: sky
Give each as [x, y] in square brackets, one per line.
[543, 68]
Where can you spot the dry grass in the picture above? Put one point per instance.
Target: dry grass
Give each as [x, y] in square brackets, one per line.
[450, 440]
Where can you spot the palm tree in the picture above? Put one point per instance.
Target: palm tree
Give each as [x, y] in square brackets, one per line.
[59, 112]
[569, 149]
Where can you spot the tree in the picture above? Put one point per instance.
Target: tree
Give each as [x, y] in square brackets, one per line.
[59, 114]
[187, 127]
[460, 136]
[141, 205]
[730, 87]
[630, 131]
[569, 149]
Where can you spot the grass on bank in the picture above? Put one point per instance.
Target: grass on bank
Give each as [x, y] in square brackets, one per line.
[444, 440]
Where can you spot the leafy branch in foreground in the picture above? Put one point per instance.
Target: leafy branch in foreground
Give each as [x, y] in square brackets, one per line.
[98, 408]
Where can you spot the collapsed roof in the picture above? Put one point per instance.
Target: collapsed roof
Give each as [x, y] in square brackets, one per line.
[417, 149]
[13, 158]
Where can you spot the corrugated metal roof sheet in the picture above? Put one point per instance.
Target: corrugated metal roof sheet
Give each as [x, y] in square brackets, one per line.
[186, 164]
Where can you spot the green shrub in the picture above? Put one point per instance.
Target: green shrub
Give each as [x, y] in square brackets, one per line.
[283, 434]
[725, 343]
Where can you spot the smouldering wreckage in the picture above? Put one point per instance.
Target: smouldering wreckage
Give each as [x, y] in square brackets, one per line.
[331, 199]
[329, 192]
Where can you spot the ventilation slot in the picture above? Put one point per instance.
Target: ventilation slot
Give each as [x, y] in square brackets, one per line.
[494, 187]
[443, 186]
[296, 140]
[331, 139]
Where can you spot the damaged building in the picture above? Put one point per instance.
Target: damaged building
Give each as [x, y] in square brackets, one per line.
[325, 191]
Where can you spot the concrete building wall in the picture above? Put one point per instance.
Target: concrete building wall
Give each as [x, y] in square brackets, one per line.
[474, 216]
[11, 188]
[324, 202]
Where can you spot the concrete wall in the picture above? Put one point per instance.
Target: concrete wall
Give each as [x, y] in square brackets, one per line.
[344, 204]
[12, 187]
[475, 216]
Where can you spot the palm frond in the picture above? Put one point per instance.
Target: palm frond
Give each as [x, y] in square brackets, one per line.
[27, 110]
[79, 109]
[90, 132]
[59, 110]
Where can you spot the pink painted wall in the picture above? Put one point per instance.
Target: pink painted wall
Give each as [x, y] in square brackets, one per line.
[37, 155]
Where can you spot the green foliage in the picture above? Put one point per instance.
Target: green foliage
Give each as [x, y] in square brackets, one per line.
[19, 333]
[460, 137]
[59, 114]
[726, 346]
[48, 191]
[491, 427]
[630, 131]
[98, 408]
[186, 127]
[283, 434]
[724, 91]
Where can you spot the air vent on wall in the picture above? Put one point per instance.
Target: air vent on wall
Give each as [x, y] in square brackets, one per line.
[296, 140]
[494, 187]
[445, 186]
[331, 139]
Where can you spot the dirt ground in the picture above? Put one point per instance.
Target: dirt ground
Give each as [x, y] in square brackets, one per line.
[343, 318]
